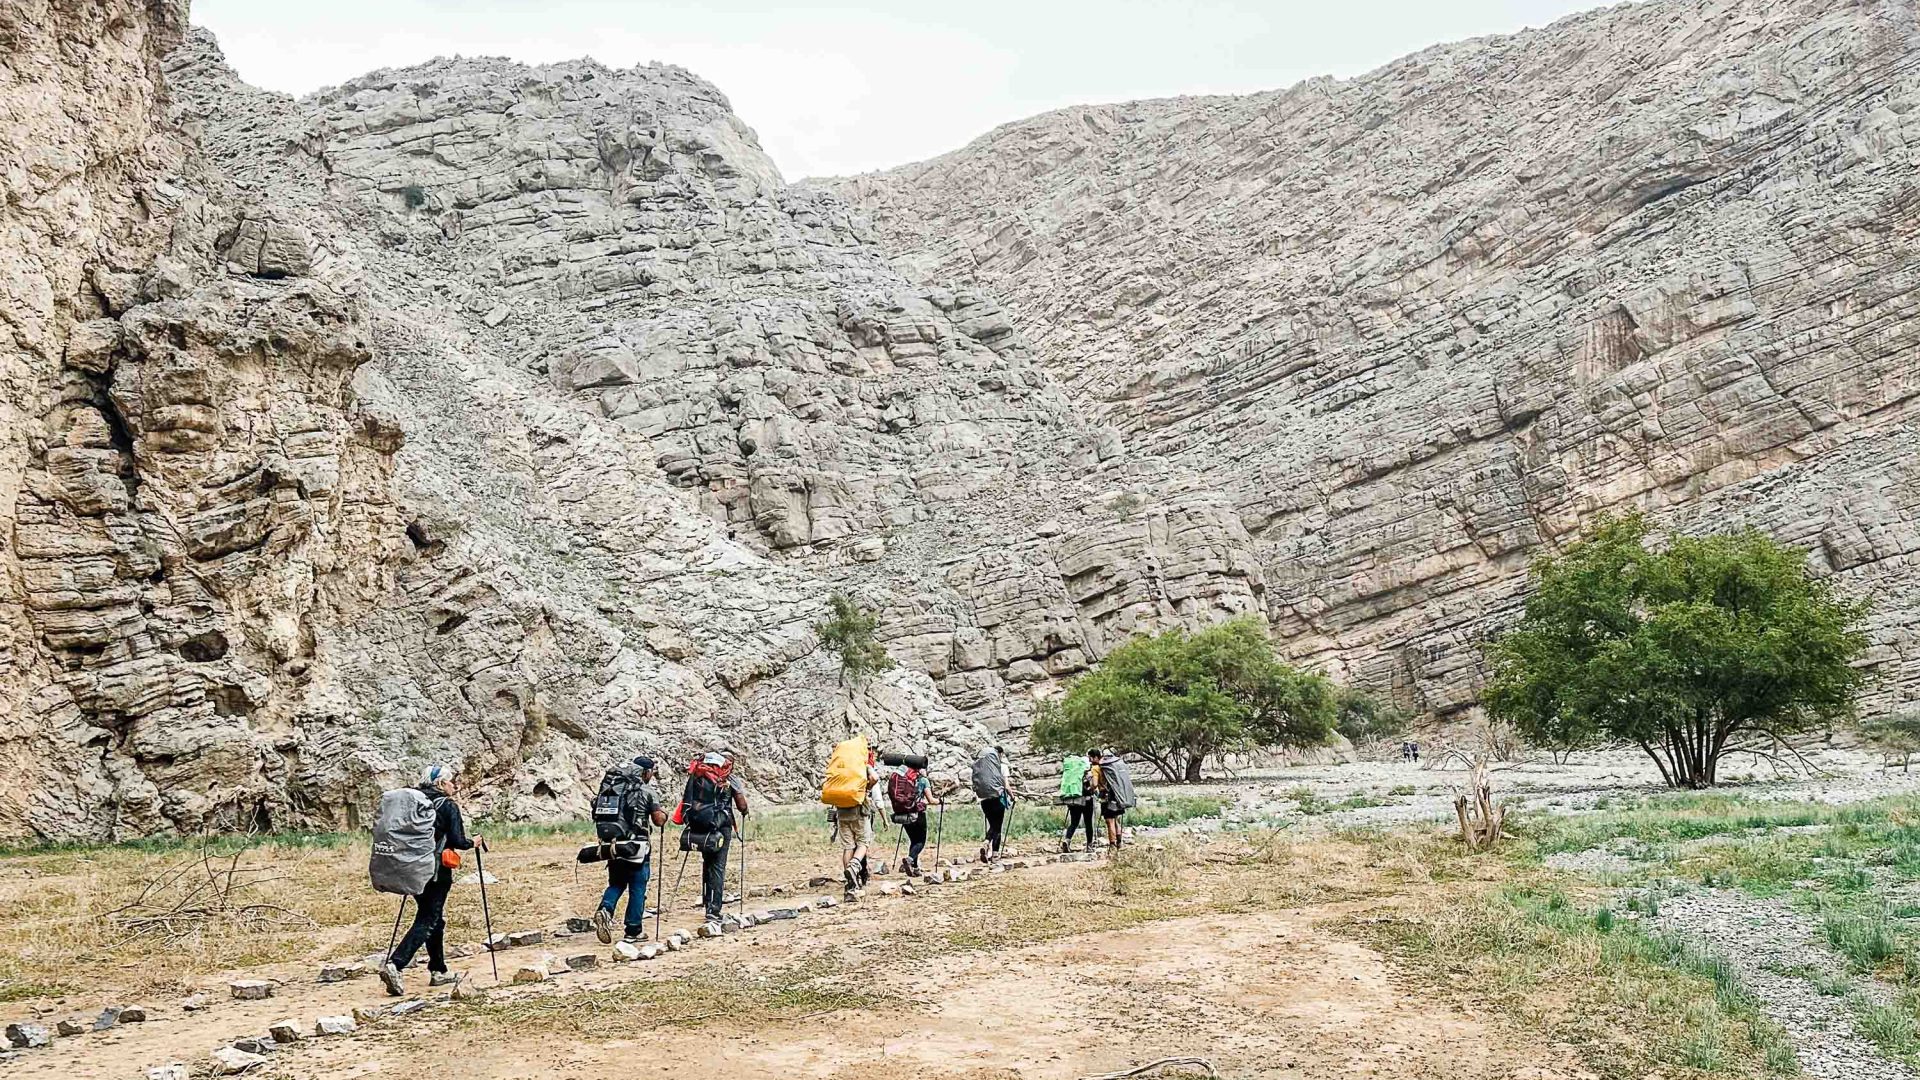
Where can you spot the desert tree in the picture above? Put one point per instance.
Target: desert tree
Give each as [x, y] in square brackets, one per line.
[1709, 645]
[1179, 697]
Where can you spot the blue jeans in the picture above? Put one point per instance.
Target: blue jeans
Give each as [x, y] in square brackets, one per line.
[621, 876]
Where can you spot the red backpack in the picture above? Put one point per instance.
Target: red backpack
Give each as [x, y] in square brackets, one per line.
[903, 791]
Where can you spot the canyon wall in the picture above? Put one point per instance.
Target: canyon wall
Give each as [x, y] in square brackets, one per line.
[1417, 324]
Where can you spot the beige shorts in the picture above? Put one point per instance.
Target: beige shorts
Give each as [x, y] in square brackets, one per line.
[853, 829]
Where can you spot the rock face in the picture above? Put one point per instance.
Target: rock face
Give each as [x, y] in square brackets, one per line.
[524, 418]
[1415, 325]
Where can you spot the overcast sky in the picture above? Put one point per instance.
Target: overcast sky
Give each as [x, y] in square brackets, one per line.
[836, 88]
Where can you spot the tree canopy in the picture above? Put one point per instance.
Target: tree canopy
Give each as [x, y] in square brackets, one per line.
[1713, 644]
[1179, 697]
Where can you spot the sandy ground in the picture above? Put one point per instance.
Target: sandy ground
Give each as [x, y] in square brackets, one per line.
[1268, 993]
[1273, 994]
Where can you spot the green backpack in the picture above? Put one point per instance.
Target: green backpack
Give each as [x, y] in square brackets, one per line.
[1073, 778]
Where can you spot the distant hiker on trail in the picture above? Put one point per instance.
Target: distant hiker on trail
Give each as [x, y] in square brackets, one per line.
[849, 791]
[996, 799]
[1076, 794]
[434, 795]
[908, 791]
[1115, 793]
[707, 805]
[625, 813]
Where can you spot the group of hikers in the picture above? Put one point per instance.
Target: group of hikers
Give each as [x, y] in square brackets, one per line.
[420, 835]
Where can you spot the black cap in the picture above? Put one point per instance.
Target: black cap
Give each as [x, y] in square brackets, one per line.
[644, 762]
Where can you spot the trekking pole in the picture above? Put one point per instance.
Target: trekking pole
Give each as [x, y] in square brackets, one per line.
[939, 830]
[486, 913]
[899, 833]
[395, 936]
[743, 865]
[659, 871]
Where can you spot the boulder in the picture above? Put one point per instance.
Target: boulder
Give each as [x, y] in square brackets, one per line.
[26, 1036]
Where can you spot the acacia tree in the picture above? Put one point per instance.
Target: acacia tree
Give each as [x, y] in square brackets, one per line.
[1177, 698]
[1713, 645]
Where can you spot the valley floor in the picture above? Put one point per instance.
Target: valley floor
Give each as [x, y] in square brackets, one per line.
[1305, 923]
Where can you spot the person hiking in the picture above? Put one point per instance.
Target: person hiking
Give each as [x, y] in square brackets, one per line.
[1115, 793]
[853, 828]
[996, 799]
[438, 783]
[714, 792]
[1076, 794]
[909, 791]
[625, 813]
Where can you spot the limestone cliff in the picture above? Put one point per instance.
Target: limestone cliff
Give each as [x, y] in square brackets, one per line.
[1416, 324]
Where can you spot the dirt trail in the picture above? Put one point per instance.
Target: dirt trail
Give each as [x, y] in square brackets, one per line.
[1272, 994]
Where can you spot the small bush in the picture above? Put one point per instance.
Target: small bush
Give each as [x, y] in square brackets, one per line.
[1865, 940]
[414, 196]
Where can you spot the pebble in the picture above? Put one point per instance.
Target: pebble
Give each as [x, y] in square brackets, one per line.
[131, 1014]
[251, 990]
[175, 1071]
[521, 938]
[528, 973]
[583, 961]
[333, 973]
[285, 1031]
[71, 1026]
[465, 990]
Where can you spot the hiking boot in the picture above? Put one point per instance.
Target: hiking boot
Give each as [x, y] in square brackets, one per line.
[984, 850]
[635, 939]
[603, 926]
[866, 874]
[1066, 846]
[390, 978]
[442, 978]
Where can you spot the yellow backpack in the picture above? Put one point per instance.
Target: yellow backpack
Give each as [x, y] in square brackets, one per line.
[846, 785]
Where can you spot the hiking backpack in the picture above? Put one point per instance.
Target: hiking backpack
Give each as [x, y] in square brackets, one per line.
[1073, 778]
[989, 777]
[707, 805]
[903, 791]
[406, 853]
[615, 808]
[846, 784]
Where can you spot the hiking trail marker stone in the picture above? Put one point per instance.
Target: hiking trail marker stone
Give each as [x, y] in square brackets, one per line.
[579, 926]
[495, 943]
[408, 1008]
[583, 961]
[71, 1026]
[334, 1025]
[285, 1031]
[250, 990]
[129, 1014]
[522, 938]
[194, 1002]
[232, 1061]
[367, 1014]
[333, 973]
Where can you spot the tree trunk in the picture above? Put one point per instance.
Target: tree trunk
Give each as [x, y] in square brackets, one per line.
[1194, 761]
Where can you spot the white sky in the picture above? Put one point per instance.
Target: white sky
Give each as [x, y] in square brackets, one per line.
[835, 88]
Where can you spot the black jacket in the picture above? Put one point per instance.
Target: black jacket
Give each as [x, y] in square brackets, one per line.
[449, 828]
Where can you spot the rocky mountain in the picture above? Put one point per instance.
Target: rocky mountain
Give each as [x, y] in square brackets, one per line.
[517, 417]
[525, 418]
[1416, 325]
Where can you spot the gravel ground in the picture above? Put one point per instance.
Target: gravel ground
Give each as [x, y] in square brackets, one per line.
[1761, 938]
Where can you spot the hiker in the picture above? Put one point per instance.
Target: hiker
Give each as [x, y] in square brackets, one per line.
[908, 790]
[1076, 794]
[705, 814]
[625, 813]
[853, 827]
[438, 783]
[996, 798]
[1116, 793]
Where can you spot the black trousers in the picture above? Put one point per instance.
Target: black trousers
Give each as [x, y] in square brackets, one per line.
[996, 812]
[429, 926]
[713, 876]
[1080, 815]
[916, 831]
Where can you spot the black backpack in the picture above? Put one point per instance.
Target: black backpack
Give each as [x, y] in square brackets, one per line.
[709, 805]
[616, 809]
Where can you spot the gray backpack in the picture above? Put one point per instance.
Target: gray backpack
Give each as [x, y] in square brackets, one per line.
[989, 777]
[405, 853]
